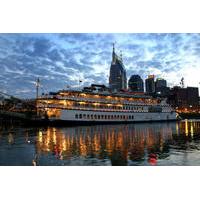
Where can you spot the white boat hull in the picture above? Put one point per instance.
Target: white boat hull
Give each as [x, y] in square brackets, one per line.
[102, 116]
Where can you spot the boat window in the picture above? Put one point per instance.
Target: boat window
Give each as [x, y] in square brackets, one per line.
[80, 116]
[76, 116]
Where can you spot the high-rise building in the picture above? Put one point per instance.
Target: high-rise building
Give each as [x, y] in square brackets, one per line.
[136, 84]
[117, 79]
[150, 85]
[160, 83]
[161, 88]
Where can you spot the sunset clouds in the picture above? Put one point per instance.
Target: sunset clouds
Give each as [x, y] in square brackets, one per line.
[60, 60]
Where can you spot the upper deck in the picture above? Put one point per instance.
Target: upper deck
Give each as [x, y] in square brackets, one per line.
[53, 103]
[101, 97]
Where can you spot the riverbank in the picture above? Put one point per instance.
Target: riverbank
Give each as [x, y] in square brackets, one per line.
[189, 115]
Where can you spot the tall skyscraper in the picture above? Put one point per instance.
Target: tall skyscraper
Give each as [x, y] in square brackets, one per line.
[117, 79]
[136, 84]
[150, 84]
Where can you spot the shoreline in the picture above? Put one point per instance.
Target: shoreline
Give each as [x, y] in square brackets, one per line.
[189, 115]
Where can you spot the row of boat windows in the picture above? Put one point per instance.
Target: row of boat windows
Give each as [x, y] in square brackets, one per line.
[110, 107]
[87, 116]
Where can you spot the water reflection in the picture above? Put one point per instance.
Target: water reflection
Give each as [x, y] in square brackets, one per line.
[132, 144]
[117, 143]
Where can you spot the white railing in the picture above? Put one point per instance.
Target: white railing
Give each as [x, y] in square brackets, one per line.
[93, 100]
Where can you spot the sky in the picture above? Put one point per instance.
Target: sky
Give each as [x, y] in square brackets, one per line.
[61, 60]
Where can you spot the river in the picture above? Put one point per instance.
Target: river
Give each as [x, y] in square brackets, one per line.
[151, 144]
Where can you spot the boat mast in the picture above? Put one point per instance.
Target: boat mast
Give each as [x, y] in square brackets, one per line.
[37, 87]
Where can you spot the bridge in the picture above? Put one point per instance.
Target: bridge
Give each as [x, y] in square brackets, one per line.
[13, 107]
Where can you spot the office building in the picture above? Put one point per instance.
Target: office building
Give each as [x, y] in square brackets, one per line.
[136, 84]
[150, 85]
[117, 79]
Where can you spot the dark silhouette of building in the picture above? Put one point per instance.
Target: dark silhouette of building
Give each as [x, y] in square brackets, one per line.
[150, 85]
[117, 79]
[160, 83]
[136, 84]
[161, 88]
[184, 97]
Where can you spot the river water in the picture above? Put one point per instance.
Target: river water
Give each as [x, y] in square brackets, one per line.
[174, 143]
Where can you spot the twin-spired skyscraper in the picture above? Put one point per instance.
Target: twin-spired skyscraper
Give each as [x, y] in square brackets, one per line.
[117, 79]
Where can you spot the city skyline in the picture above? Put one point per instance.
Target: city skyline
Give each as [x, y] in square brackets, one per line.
[61, 60]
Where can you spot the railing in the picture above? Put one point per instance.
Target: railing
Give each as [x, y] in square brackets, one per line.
[106, 101]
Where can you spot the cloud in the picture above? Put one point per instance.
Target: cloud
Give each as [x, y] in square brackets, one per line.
[62, 59]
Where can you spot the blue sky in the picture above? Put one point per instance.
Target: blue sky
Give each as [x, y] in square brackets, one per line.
[60, 60]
